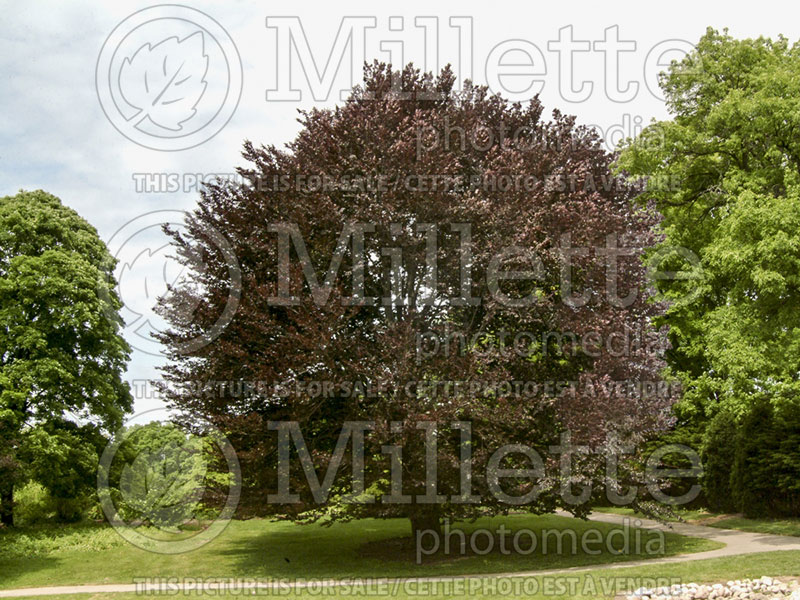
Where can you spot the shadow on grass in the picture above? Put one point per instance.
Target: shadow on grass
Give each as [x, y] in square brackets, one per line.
[266, 549]
[382, 548]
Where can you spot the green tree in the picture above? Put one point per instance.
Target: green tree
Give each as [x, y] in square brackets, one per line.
[719, 451]
[727, 169]
[62, 456]
[159, 475]
[732, 155]
[61, 354]
[765, 478]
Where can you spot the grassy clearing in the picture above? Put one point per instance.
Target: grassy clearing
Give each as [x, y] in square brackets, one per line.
[774, 526]
[722, 521]
[597, 583]
[684, 514]
[265, 549]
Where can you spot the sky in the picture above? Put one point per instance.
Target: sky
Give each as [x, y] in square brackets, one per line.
[120, 109]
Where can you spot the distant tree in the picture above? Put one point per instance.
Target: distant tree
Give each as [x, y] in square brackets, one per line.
[62, 456]
[719, 451]
[61, 354]
[731, 230]
[732, 157]
[417, 160]
[158, 475]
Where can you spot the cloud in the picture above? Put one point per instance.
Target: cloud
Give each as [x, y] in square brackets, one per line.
[54, 134]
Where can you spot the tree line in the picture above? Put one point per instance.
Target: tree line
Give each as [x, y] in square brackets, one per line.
[708, 264]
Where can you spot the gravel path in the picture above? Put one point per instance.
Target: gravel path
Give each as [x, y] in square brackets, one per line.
[736, 542]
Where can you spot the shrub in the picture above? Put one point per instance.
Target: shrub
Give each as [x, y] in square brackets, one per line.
[33, 505]
[718, 453]
[765, 479]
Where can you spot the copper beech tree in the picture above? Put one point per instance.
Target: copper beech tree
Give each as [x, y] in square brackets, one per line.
[449, 271]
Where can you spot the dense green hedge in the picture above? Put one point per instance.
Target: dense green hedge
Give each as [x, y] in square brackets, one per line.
[752, 463]
[718, 454]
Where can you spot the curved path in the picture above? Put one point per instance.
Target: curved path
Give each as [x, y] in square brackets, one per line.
[736, 542]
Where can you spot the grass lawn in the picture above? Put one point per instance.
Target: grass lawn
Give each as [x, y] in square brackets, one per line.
[266, 549]
[721, 521]
[690, 515]
[599, 583]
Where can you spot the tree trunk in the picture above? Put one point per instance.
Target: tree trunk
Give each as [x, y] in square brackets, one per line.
[426, 520]
[7, 505]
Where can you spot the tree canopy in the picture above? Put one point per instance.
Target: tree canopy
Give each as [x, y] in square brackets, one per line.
[731, 233]
[61, 354]
[734, 149]
[398, 193]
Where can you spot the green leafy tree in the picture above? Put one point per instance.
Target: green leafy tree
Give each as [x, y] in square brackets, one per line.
[61, 354]
[160, 479]
[719, 450]
[765, 478]
[728, 169]
[732, 155]
[62, 456]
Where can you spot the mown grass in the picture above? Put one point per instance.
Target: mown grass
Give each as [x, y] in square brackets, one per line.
[721, 521]
[774, 526]
[265, 549]
[596, 583]
[680, 513]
